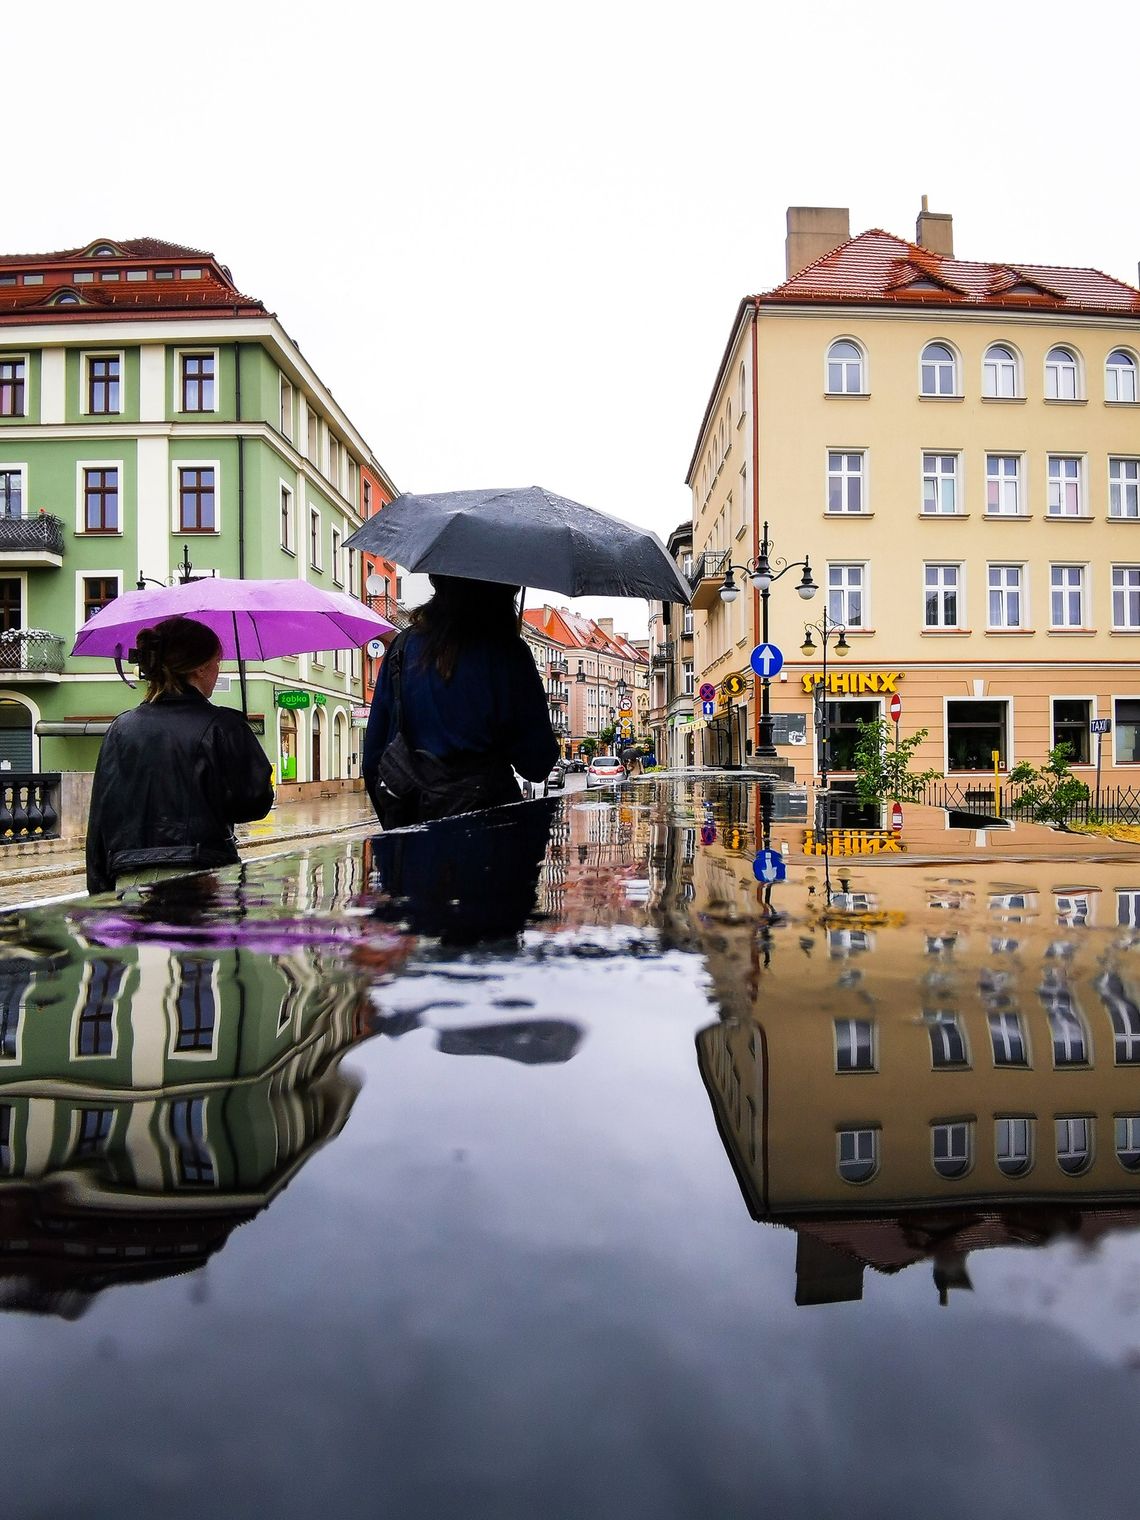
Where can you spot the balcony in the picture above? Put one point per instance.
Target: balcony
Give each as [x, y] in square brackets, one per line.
[558, 696]
[27, 543]
[31, 653]
[557, 667]
[662, 657]
[390, 610]
[707, 578]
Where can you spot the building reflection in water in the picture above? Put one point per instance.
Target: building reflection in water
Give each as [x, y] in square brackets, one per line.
[915, 1064]
[153, 1097]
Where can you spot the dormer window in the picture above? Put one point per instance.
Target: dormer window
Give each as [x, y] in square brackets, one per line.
[66, 298]
[102, 251]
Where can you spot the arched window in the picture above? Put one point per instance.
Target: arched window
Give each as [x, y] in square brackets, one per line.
[951, 1151]
[845, 369]
[858, 1154]
[939, 371]
[1014, 1145]
[743, 385]
[1060, 375]
[1120, 376]
[1128, 1141]
[1074, 1145]
[999, 372]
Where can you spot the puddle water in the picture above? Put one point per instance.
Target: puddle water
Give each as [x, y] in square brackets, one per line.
[656, 1154]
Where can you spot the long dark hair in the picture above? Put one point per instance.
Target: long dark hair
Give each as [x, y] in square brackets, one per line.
[460, 610]
[170, 651]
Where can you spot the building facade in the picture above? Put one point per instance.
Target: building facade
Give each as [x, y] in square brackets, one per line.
[604, 676]
[156, 423]
[955, 446]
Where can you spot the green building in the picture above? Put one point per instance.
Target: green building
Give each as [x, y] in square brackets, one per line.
[152, 417]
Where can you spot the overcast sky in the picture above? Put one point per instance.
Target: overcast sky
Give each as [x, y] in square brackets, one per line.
[511, 237]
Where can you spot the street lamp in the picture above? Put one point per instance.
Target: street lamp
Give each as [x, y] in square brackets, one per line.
[185, 574]
[827, 630]
[760, 572]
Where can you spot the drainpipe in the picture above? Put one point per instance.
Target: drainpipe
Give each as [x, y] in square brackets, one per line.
[755, 510]
[241, 505]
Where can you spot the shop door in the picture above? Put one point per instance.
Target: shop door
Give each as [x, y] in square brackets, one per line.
[15, 736]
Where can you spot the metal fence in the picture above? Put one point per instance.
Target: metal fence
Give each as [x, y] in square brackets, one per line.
[1111, 804]
[39, 533]
[29, 806]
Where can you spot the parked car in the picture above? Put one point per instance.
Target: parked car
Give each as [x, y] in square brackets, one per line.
[604, 770]
[577, 764]
[556, 781]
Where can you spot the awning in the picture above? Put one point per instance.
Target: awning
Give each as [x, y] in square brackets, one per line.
[73, 727]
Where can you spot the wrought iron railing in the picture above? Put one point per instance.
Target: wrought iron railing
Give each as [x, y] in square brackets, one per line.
[558, 694]
[662, 655]
[29, 806]
[709, 565]
[38, 532]
[31, 651]
[390, 609]
[1111, 804]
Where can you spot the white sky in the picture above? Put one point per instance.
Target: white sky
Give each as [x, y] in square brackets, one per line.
[512, 237]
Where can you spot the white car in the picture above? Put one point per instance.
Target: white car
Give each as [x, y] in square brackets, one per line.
[604, 770]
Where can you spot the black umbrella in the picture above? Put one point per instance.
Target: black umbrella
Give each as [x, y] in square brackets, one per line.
[523, 537]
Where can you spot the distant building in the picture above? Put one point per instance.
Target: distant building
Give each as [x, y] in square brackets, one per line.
[955, 445]
[152, 417]
[595, 662]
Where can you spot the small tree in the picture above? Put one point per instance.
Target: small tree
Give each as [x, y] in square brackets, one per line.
[1052, 792]
[589, 748]
[608, 735]
[882, 765]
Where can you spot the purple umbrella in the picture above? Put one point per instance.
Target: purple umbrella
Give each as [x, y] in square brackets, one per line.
[255, 620]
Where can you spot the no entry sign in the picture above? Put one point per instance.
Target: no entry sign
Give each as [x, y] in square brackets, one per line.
[894, 707]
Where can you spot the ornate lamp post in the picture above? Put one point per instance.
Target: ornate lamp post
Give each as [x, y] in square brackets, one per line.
[762, 575]
[185, 574]
[827, 630]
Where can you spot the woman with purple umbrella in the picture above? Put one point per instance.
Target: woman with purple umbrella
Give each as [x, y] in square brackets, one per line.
[175, 773]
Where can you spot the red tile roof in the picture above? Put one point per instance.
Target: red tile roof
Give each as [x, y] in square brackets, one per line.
[879, 267]
[211, 293]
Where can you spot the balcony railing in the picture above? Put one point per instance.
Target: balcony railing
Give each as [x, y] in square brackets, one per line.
[557, 668]
[31, 651]
[709, 570]
[40, 533]
[559, 694]
[390, 609]
[662, 655]
[29, 806]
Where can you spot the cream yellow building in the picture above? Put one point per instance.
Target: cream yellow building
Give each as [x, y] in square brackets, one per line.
[955, 446]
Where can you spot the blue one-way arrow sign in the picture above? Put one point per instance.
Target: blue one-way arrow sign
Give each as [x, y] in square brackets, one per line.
[766, 660]
[769, 866]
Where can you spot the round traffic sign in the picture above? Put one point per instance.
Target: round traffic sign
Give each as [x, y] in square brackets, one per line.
[766, 660]
[375, 648]
[707, 691]
[895, 707]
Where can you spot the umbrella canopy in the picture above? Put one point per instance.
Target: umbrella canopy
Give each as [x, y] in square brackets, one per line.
[523, 537]
[255, 620]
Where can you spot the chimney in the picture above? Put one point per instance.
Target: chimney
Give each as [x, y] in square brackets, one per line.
[935, 230]
[606, 625]
[812, 232]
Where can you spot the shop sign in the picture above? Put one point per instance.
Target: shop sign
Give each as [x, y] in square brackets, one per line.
[292, 699]
[852, 683]
[733, 685]
[853, 842]
[319, 698]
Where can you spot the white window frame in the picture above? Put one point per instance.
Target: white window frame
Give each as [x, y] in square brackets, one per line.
[25, 360]
[1063, 376]
[1065, 580]
[1001, 583]
[1119, 728]
[85, 380]
[1004, 480]
[688, 679]
[312, 434]
[939, 367]
[1018, 1131]
[935, 477]
[1002, 1024]
[289, 519]
[335, 455]
[195, 350]
[850, 1046]
[742, 395]
[13, 467]
[316, 542]
[863, 1165]
[81, 467]
[941, 588]
[1074, 1135]
[845, 388]
[845, 476]
[1006, 729]
[1126, 1140]
[848, 582]
[1003, 370]
[176, 467]
[1065, 485]
[1125, 584]
[189, 1100]
[958, 1137]
[112, 573]
[287, 403]
[81, 1003]
[1123, 486]
[178, 963]
[1114, 373]
[336, 565]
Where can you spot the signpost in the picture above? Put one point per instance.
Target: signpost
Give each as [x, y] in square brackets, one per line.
[708, 708]
[769, 866]
[1100, 727]
[766, 660]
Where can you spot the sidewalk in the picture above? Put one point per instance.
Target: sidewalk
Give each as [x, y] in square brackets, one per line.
[57, 866]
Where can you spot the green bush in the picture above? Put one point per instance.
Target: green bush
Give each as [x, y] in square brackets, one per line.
[1051, 793]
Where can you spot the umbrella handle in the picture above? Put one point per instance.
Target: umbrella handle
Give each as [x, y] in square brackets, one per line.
[119, 668]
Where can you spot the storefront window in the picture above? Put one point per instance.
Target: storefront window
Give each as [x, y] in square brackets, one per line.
[1126, 727]
[973, 731]
[843, 719]
[1071, 719]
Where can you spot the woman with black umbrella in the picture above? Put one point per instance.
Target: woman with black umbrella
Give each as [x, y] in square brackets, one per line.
[459, 706]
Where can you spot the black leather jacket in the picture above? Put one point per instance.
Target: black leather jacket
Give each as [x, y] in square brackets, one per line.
[173, 777]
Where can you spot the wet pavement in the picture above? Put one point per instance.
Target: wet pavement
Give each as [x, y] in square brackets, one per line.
[585, 1169]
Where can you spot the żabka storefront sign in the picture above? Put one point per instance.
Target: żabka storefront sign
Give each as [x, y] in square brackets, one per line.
[853, 683]
[293, 699]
